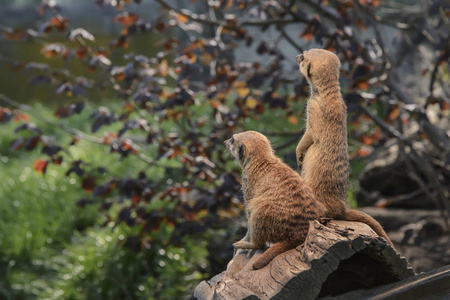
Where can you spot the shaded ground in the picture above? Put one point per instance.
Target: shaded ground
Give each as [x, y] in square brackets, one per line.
[419, 235]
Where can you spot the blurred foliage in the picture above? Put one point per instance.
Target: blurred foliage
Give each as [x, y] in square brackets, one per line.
[159, 173]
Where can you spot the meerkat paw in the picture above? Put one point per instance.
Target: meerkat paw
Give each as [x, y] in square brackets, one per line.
[244, 245]
[300, 161]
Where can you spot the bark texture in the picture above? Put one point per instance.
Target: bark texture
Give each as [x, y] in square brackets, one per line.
[338, 257]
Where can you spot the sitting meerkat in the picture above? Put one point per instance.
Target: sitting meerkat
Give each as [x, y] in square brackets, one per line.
[322, 153]
[279, 205]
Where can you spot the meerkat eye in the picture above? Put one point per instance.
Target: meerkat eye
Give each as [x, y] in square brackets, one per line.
[241, 152]
[232, 140]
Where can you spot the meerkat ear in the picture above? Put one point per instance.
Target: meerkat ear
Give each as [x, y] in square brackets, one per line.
[308, 70]
[241, 152]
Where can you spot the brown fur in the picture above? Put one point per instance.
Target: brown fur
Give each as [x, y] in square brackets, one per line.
[279, 205]
[322, 153]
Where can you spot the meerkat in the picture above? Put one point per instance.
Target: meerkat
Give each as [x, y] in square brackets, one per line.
[278, 204]
[322, 153]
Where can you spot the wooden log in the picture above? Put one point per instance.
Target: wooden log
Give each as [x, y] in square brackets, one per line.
[338, 257]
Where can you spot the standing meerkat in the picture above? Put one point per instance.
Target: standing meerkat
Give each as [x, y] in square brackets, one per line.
[278, 204]
[322, 153]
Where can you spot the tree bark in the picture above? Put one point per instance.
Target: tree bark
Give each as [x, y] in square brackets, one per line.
[335, 258]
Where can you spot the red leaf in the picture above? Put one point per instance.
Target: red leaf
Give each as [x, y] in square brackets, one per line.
[363, 85]
[40, 165]
[58, 23]
[445, 105]
[293, 119]
[383, 203]
[307, 36]
[81, 52]
[394, 113]
[20, 117]
[189, 215]
[135, 199]
[126, 19]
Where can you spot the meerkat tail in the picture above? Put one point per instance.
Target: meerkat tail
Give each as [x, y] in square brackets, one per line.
[270, 254]
[359, 216]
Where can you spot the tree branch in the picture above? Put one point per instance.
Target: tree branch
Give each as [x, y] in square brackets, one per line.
[203, 19]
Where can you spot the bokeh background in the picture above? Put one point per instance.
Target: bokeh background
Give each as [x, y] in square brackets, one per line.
[114, 180]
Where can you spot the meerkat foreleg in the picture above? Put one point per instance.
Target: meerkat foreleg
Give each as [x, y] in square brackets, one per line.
[302, 146]
[245, 245]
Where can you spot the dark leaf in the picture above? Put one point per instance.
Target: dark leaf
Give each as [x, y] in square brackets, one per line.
[124, 148]
[57, 160]
[262, 48]
[134, 124]
[125, 216]
[51, 150]
[31, 142]
[101, 170]
[67, 111]
[102, 117]
[83, 202]
[353, 101]
[105, 189]
[40, 80]
[76, 168]
[28, 126]
[5, 115]
[256, 81]
[121, 42]
[88, 184]
[133, 243]
[65, 87]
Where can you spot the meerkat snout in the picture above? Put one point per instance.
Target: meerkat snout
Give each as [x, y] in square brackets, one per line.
[235, 148]
[299, 58]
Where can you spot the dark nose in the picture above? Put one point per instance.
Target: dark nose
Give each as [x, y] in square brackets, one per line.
[299, 58]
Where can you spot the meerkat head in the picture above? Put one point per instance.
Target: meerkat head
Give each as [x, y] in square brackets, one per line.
[320, 67]
[249, 144]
